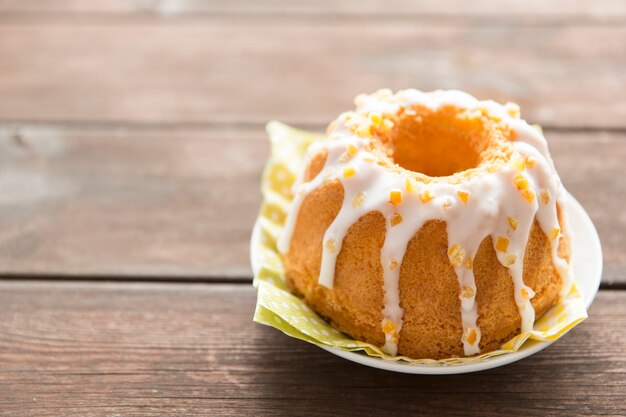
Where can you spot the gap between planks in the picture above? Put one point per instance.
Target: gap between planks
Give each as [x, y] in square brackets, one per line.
[173, 279]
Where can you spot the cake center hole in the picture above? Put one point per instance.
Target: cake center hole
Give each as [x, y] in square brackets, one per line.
[438, 143]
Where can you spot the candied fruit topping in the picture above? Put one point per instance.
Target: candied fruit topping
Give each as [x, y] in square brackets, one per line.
[545, 197]
[376, 119]
[469, 264]
[472, 335]
[510, 259]
[513, 110]
[513, 222]
[529, 195]
[349, 172]
[330, 245]
[410, 185]
[524, 292]
[364, 130]
[389, 326]
[517, 162]
[396, 219]
[393, 264]
[467, 292]
[395, 197]
[555, 233]
[520, 180]
[502, 244]
[456, 255]
[531, 161]
[357, 201]
[351, 150]
[368, 159]
[463, 196]
[426, 196]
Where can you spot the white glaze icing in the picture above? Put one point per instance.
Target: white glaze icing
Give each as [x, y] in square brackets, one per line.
[493, 198]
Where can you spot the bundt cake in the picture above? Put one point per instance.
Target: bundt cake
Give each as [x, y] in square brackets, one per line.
[430, 224]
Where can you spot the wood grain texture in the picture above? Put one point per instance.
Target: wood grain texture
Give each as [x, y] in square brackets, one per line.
[145, 349]
[302, 71]
[533, 10]
[133, 203]
[74, 200]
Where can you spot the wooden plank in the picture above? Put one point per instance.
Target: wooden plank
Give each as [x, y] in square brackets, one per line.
[302, 71]
[74, 200]
[507, 9]
[124, 349]
[183, 201]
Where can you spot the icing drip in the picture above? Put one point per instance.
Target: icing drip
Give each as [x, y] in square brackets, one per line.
[502, 205]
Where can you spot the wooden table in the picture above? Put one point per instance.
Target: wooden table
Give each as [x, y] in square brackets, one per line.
[131, 145]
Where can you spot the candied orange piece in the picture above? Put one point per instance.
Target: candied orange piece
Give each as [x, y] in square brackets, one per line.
[517, 162]
[531, 161]
[389, 326]
[472, 335]
[376, 119]
[364, 131]
[513, 110]
[513, 222]
[410, 185]
[520, 180]
[529, 195]
[510, 259]
[396, 219]
[349, 172]
[469, 264]
[463, 196]
[467, 292]
[330, 245]
[502, 244]
[426, 196]
[456, 255]
[357, 201]
[395, 197]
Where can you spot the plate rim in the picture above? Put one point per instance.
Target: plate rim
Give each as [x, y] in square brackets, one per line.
[425, 369]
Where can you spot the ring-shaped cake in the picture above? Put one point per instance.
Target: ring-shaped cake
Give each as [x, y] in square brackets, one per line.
[430, 224]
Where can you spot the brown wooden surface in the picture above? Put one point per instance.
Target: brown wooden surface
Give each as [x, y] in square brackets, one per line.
[172, 71]
[131, 145]
[146, 349]
[530, 10]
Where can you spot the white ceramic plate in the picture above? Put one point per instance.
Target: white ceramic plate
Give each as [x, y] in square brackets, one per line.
[587, 271]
